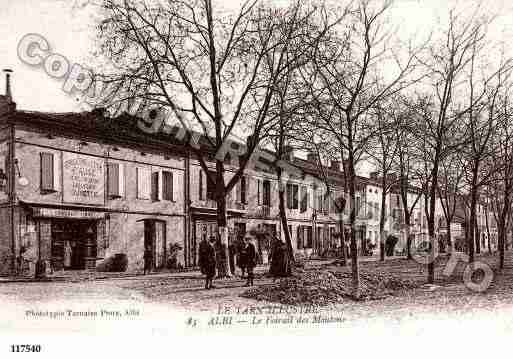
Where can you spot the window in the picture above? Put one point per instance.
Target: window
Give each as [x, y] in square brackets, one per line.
[211, 185]
[167, 186]
[319, 202]
[242, 189]
[156, 186]
[50, 172]
[267, 193]
[144, 183]
[358, 203]
[326, 202]
[115, 180]
[304, 199]
[292, 196]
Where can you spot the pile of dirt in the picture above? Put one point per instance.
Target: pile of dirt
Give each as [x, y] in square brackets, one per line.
[325, 287]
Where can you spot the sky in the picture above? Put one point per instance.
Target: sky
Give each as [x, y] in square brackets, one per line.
[68, 25]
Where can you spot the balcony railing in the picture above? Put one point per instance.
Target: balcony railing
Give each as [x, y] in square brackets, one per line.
[210, 203]
[239, 206]
[263, 211]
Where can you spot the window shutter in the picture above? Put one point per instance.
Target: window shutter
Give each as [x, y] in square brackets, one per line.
[113, 180]
[101, 239]
[144, 183]
[259, 191]
[200, 182]
[246, 182]
[47, 172]
[238, 191]
[167, 186]
[156, 186]
[56, 172]
[121, 171]
[303, 198]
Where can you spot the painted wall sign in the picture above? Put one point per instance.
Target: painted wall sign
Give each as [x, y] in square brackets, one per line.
[83, 179]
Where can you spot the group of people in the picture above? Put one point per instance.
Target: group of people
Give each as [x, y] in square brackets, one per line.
[212, 254]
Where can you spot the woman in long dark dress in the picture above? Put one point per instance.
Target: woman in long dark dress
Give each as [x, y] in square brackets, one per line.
[279, 259]
[251, 259]
[241, 256]
[207, 262]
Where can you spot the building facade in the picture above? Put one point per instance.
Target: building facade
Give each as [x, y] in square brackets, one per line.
[74, 194]
[77, 189]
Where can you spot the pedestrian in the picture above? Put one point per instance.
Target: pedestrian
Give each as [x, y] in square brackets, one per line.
[232, 251]
[250, 260]
[241, 256]
[207, 261]
[147, 260]
[67, 254]
[279, 262]
[220, 251]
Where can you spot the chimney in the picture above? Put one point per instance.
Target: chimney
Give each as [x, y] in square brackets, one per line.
[312, 157]
[8, 93]
[374, 175]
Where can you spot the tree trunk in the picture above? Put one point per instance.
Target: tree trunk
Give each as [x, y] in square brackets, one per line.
[502, 231]
[382, 224]
[477, 238]
[408, 243]
[283, 217]
[501, 246]
[431, 226]
[343, 259]
[407, 221]
[223, 268]
[450, 247]
[488, 229]
[352, 221]
[472, 223]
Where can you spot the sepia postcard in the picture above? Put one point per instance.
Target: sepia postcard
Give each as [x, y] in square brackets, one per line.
[256, 178]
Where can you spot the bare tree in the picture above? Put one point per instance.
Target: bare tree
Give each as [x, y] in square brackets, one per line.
[405, 165]
[447, 62]
[480, 125]
[449, 190]
[213, 69]
[346, 81]
[383, 150]
[500, 187]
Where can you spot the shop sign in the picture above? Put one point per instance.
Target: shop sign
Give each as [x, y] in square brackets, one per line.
[65, 213]
[83, 179]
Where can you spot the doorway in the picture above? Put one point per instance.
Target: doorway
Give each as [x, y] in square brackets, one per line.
[73, 244]
[155, 242]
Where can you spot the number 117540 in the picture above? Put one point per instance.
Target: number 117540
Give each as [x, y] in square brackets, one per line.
[25, 348]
